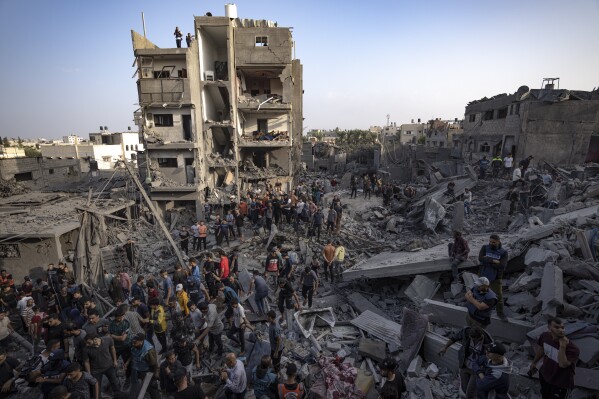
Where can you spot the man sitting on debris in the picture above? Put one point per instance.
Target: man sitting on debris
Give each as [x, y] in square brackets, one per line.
[473, 341]
[493, 259]
[481, 301]
[493, 372]
[458, 252]
[388, 370]
[559, 356]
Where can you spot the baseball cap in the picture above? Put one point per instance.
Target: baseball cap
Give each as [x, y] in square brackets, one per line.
[481, 281]
[496, 348]
[180, 287]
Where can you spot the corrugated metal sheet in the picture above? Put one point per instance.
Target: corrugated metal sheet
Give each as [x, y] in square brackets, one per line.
[379, 327]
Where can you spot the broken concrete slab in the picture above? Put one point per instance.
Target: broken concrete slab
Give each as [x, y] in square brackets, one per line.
[415, 367]
[584, 244]
[434, 259]
[523, 299]
[527, 282]
[422, 288]
[414, 327]
[539, 257]
[379, 327]
[362, 304]
[552, 289]
[433, 214]
[511, 330]
[457, 223]
[504, 217]
[469, 279]
[375, 350]
[589, 350]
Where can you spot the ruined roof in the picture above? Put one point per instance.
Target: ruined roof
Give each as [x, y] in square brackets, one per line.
[47, 214]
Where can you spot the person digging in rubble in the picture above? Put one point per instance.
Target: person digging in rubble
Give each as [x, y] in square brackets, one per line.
[560, 356]
[458, 252]
[493, 259]
[473, 342]
[493, 373]
[388, 369]
[328, 253]
[480, 303]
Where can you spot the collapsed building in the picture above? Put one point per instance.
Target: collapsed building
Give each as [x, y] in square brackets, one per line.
[224, 114]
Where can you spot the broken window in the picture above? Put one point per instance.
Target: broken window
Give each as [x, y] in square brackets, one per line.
[163, 119]
[71, 171]
[472, 118]
[127, 147]
[263, 125]
[261, 41]
[167, 162]
[162, 74]
[51, 171]
[488, 115]
[27, 176]
[502, 113]
[485, 147]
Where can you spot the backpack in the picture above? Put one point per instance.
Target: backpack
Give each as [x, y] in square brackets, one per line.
[286, 393]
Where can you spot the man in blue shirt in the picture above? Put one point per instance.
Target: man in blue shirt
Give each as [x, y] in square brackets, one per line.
[493, 259]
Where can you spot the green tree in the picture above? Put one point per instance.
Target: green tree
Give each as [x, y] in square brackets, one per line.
[5, 142]
[20, 142]
[422, 139]
[31, 152]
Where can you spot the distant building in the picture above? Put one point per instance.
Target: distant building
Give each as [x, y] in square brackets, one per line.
[225, 113]
[37, 173]
[440, 133]
[102, 152]
[11, 152]
[71, 139]
[410, 132]
[554, 125]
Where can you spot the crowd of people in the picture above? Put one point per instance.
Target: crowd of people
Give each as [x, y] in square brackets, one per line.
[164, 329]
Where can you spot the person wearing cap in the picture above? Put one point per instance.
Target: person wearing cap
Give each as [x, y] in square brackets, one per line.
[473, 342]
[560, 356]
[339, 258]
[458, 252]
[234, 377]
[291, 388]
[182, 299]
[214, 328]
[144, 360]
[99, 359]
[480, 303]
[388, 369]
[328, 253]
[493, 373]
[493, 259]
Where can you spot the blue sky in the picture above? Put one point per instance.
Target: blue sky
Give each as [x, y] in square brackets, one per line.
[67, 64]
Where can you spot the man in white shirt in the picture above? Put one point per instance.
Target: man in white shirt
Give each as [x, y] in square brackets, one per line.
[508, 163]
[517, 176]
[240, 322]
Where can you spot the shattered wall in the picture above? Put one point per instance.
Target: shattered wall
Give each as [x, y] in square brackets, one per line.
[559, 133]
[278, 50]
[39, 172]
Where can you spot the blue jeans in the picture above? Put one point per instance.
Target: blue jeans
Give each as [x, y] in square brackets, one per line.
[467, 209]
[260, 303]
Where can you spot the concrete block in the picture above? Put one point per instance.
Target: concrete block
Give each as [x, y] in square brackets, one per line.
[375, 350]
[584, 243]
[414, 367]
[333, 346]
[511, 330]
[539, 257]
[468, 279]
[527, 282]
[504, 217]
[589, 350]
[522, 299]
[458, 216]
[552, 289]
[422, 288]
[362, 304]
[432, 371]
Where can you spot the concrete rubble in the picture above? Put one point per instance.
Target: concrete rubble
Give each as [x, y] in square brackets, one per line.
[397, 297]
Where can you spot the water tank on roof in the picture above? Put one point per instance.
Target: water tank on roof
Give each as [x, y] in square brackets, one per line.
[231, 10]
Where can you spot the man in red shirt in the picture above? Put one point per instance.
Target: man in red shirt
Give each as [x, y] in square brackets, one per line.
[224, 267]
[559, 361]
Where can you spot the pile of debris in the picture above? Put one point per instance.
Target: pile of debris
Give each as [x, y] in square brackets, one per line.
[11, 187]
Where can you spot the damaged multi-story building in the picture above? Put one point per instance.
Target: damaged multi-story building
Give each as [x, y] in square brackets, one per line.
[225, 113]
[554, 125]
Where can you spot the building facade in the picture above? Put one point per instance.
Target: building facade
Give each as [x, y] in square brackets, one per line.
[225, 113]
[554, 125]
[37, 173]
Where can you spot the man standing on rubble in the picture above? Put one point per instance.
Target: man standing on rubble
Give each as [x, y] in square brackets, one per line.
[184, 237]
[483, 165]
[458, 252]
[517, 176]
[525, 163]
[195, 232]
[328, 254]
[493, 259]
[338, 261]
[353, 183]
[473, 341]
[496, 164]
[331, 220]
[559, 361]
[508, 162]
[481, 301]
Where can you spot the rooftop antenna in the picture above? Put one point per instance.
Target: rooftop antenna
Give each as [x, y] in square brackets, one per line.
[143, 22]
